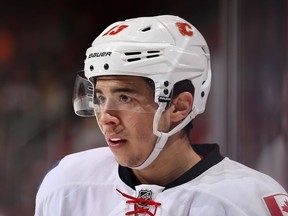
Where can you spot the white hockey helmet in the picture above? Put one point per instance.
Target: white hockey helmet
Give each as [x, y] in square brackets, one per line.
[166, 49]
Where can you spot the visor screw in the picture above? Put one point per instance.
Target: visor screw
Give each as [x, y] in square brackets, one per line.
[165, 91]
[106, 66]
[166, 83]
[91, 67]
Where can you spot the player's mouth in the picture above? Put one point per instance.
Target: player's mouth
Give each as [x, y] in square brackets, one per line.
[115, 142]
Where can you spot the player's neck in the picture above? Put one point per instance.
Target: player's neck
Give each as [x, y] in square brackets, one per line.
[175, 159]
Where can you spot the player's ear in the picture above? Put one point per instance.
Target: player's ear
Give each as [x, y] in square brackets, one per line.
[181, 106]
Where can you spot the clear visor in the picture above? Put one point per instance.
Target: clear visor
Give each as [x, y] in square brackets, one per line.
[113, 93]
[83, 96]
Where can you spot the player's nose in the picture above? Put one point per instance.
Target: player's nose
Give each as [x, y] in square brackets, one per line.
[106, 118]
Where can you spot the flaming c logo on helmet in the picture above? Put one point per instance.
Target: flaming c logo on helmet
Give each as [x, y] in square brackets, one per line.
[184, 29]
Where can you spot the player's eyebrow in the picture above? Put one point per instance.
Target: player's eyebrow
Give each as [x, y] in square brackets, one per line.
[118, 90]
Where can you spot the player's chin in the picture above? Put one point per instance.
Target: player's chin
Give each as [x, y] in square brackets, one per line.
[128, 162]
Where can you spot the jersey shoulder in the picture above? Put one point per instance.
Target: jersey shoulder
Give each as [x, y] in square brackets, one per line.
[92, 159]
[251, 176]
[85, 165]
[229, 173]
[95, 166]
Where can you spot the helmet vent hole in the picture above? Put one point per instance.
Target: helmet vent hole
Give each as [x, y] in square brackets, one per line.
[146, 29]
[152, 56]
[132, 53]
[204, 49]
[133, 59]
[153, 51]
[202, 94]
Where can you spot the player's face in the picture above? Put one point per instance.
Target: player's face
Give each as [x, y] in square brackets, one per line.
[125, 112]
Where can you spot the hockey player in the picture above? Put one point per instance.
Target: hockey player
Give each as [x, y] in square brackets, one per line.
[145, 80]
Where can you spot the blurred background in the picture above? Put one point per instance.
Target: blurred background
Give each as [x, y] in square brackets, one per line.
[43, 44]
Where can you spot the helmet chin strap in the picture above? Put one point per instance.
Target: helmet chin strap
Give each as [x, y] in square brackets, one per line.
[163, 137]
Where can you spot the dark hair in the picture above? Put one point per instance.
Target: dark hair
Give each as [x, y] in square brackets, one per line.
[184, 86]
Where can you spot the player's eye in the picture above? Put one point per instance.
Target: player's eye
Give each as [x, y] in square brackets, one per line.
[99, 99]
[125, 98]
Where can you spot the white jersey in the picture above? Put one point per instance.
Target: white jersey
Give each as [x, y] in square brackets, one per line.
[91, 183]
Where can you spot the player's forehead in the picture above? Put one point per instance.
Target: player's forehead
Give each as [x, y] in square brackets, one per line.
[131, 82]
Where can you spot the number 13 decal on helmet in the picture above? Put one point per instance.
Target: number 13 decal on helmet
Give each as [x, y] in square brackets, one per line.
[115, 30]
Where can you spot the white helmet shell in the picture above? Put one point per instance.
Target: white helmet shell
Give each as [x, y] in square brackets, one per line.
[162, 48]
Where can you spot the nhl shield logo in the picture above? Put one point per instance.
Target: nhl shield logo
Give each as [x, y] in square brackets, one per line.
[145, 194]
[277, 204]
